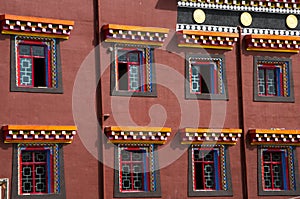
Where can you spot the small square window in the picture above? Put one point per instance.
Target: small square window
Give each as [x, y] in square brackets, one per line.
[37, 171]
[272, 80]
[205, 78]
[209, 171]
[136, 174]
[35, 65]
[132, 71]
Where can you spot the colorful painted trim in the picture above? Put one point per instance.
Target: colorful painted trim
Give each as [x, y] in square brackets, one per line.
[274, 137]
[271, 6]
[34, 26]
[38, 134]
[210, 136]
[273, 43]
[134, 34]
[134, 135]
[52, 164]
[206, 28]
[203, 39]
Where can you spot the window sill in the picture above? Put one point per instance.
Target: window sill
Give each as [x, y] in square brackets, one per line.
[134, 94]
[273, 99]
[36, 90]
[206, 96]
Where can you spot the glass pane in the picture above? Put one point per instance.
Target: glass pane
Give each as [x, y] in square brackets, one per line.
[137, 156]
[206, 80]
[40, 156]
[261, 82]
[38, 51]
[271, 81]
[27, 156]
[24, 49]
[25, 71]
[40, 178]
[209, 156]
[195, 79]
[209, 176]
[267, 176]
[122, 56]
[125, 155]
[134, 76]
[134, 57]
[27, 179]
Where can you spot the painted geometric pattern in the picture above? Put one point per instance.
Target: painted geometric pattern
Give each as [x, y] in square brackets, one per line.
[216, 80]
[206, 39]
[136, 168]
[140, 76]
[210, 165]
[278, 168]
[206, 136]
[38, 134]
[150, 135]
[24, 71]
[135, 34]
[274, 137]
[38, 168]
[34, 26]
[283, 6]
[272, 42]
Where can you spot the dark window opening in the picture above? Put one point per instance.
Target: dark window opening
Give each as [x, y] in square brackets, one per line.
[39, 72]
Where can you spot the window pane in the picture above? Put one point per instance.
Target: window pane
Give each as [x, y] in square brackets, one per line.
[38, 51]
[24, 49]
[261, 82]
[206, 81]
[122, 56]
[271, 81]
[27, 179]
[40, 156]
[134, 57]
[25, 71]
[134, 77]
[40, 178]
[195, 79]
[27, 156]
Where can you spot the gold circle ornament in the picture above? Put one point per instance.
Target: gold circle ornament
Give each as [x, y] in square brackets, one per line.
[199, 16]
[246, 18]
[291, 21]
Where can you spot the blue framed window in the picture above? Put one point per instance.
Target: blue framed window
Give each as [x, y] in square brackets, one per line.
[273, 80]
[205, 77]
[277, 173]
[209, 171]
[132, 71]
[137, 174]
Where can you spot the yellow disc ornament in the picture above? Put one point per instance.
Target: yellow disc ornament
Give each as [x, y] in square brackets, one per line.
[291, 21]
[246, 18]
[199, 16]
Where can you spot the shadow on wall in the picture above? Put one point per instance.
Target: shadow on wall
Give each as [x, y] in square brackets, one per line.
[166, 5]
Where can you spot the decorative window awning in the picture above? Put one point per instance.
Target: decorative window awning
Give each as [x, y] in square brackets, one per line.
[35, 26]
[273, 43]
[210, 136]
[134, 34]
[274, 137]
[203, 39]
[38, 134]
[132, 135]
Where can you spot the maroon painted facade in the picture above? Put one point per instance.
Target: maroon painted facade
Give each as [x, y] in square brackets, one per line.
[88, 68]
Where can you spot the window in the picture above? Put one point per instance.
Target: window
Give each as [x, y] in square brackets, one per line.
[273, 80]
[35, 65]
[209, 171]
[37, 172]
[205, 78]
[137, 175]
[132, 73]
[276, 171]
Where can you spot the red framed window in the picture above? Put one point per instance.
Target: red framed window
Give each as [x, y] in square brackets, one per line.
[34, 64]
[36, 171]
[203, 78]
[131, 70]
[206, 169]
[270, 80]
[275, 169]
[134, 170]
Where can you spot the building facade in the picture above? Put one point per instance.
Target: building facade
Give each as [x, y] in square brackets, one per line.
[150, 99]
